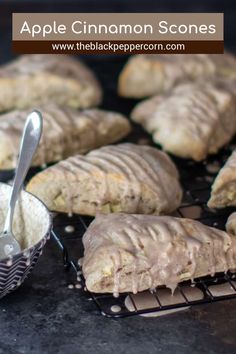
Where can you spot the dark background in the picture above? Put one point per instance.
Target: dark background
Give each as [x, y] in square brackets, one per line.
[9, 6]
[108, 67]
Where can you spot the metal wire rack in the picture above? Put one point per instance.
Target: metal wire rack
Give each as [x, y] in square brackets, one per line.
[196, 179]
[116, 307]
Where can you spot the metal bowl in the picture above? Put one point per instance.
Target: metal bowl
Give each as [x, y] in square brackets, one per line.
[31, 226]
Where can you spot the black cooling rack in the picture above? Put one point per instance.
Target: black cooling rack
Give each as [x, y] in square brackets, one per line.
[196, 179]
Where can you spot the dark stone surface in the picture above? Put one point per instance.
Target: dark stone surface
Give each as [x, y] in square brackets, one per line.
[44, 316]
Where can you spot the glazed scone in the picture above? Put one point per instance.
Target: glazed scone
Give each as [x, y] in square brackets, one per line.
[66, 132]
[41, 78]
[223, 190]
[192, 121]
[148, 75]
[121, 178]
[132, 253]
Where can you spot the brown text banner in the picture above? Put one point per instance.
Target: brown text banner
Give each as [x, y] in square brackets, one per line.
[117, 47]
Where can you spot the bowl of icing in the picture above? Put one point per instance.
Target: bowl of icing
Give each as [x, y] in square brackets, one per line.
[31, 226]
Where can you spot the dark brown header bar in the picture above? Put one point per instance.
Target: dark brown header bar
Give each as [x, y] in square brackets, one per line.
[118, 47]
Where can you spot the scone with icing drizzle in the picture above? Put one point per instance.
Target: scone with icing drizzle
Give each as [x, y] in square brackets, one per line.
[148, 75]
[223, 190]
[132, 253]
[66, 132]
[192, 121]
[41, 78]
[121, 178]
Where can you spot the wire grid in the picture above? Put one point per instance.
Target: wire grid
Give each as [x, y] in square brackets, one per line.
[197, 191]
[106, 302]
[196, 181]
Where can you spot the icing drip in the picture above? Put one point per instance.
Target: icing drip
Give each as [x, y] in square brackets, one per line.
[223, 188]
[126, 177]
[106, 163]
[66, 132]
[68, 193]
[134, 278]
[116, 266]
[143, 168]
[199, 117]
[188, 100]
[162, 250]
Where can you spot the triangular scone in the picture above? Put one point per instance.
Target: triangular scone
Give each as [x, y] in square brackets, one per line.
[41, 78]
[66, 132]
[131, 253]
[223, 190]
[148, 75]
[192, 121]
[122, 178]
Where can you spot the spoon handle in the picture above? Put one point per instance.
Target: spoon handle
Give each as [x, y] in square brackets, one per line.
[29, 143]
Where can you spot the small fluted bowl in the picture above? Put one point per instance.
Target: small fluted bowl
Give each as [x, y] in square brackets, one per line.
[31, 227]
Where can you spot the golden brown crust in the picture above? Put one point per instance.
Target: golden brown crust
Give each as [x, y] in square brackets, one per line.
[131, 253]
[66, 132]
[192, 120]
[122, 178]
[147, 75]
[223, 190]
[42, 78]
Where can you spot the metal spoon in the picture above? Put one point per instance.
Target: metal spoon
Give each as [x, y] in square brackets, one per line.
[9, 246]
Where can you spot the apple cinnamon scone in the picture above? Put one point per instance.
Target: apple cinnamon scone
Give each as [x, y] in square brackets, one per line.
[66, 132]
[132, 253]
[148, 75]
[41, 78]
[223, 190]
[121, 178]
[191, 121]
